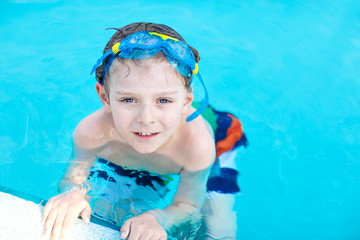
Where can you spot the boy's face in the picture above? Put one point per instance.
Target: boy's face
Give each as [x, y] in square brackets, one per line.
[147, 100]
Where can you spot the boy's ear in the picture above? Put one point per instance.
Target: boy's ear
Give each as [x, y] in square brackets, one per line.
[188, 100]
[103, 97]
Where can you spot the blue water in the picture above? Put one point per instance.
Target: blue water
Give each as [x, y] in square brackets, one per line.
[290, 70]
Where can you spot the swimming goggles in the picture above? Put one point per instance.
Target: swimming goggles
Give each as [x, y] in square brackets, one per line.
[144, 44]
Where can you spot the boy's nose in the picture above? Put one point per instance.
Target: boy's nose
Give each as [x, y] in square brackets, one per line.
[145, 115]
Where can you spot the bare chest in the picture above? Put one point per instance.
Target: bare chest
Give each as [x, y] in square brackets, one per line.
[122, 155]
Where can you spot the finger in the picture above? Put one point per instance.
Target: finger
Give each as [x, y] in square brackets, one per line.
[58, 224]
[49, 223]
[69, 221]
[47, 232]
[163, 237]
[46, 211]
[157, 237]
[134, 235]
[147, 236]
[125, 229]
[85, 215]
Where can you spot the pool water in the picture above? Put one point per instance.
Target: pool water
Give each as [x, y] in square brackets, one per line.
[288, 69]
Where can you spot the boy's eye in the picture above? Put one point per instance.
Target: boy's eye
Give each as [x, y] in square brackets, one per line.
[128, 100]
[163, 100]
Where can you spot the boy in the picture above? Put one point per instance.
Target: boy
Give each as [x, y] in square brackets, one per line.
[147, 129]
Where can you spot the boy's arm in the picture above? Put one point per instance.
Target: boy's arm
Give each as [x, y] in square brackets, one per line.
[187, 201]
[191, 191]
[79, 167]
[88, 142]
[61, 211]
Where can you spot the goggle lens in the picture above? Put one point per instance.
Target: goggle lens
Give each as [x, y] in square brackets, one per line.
[143, 39]
[180, 49]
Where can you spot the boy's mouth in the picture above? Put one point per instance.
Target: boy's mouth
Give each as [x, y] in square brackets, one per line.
[146, 135]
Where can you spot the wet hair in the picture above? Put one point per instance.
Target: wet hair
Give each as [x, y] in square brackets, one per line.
[127, 30]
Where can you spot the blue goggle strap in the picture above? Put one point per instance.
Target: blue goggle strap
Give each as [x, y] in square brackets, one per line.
[107, 67]
[203, 105]
[99, 61]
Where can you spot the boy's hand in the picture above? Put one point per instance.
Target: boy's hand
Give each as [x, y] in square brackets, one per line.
[61, 212]
[143, 227]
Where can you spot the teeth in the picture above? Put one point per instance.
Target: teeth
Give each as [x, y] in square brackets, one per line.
[146, 134]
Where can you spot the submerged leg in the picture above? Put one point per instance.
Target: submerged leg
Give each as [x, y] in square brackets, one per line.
[219, 217]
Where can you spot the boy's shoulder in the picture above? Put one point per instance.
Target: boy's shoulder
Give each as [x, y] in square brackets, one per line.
[200, 145]
[93, 130]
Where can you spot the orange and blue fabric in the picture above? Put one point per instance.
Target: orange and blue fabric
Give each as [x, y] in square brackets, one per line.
[229, 138]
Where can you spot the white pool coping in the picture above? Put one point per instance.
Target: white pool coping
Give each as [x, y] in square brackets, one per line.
[21, 219]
